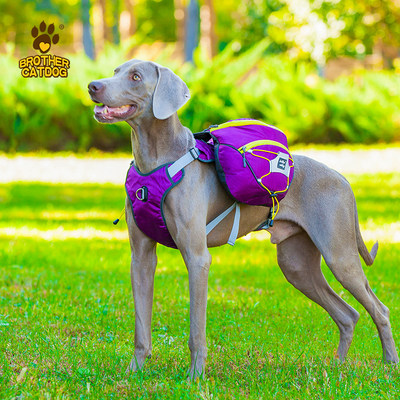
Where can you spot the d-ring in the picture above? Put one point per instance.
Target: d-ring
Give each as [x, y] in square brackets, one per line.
[142, 193]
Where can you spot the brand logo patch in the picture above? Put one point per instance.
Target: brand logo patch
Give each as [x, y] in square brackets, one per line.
[44, 65]
[43, 42]
[282, 163]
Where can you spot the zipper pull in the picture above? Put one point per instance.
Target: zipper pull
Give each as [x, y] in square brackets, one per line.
[244, 156]
[117, 220]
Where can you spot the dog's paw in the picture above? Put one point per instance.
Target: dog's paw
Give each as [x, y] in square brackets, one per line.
[132, 367]
[136, 364]
[194, 375]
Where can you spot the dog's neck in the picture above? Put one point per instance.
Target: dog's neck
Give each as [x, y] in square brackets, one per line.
[156, 142]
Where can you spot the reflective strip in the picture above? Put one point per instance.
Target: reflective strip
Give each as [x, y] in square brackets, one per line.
[235, 228]
[242, 123]
[262, 143]
[191, 155]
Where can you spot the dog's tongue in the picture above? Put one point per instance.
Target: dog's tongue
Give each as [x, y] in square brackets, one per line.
[110, 111]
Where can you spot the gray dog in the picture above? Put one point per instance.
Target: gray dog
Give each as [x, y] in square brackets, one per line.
[317, 217]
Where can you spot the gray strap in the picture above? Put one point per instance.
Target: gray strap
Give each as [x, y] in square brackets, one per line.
[211, 225]
[180, 163]
[191, 155]
[235, 228]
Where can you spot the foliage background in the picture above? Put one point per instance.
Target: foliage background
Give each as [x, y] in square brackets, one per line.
[322, 70]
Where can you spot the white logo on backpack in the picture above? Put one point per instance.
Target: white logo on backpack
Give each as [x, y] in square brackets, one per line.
[280, 164]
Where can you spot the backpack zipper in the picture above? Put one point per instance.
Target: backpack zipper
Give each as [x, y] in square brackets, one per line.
[251, 145]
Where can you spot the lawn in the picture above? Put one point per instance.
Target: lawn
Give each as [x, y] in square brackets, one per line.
[67, 313]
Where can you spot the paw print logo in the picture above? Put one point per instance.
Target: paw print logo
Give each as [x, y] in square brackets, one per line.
[43, 41]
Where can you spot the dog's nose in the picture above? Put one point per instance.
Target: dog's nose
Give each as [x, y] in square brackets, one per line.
[95, 86]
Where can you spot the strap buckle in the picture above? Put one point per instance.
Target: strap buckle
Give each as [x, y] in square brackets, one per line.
[180, 163]
[194, 152]
[142, 193]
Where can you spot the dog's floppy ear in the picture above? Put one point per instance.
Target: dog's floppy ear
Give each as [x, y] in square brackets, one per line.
[170, 94]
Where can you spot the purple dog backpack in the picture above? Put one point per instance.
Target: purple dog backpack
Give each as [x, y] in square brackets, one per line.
[252, 160]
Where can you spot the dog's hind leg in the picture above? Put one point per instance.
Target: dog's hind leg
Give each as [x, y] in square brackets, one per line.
[322, 202]
[349, 273]
[340, 245]
[300, 262]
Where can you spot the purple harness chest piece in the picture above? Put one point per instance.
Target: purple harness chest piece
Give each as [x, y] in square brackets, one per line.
[147, 193]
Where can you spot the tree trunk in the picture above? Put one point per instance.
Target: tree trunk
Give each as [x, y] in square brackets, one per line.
[129, 5]
[87, 38]
[192, 28]
[208, 38]
[180, 18]
[115, 27]
[127, 23]
[106, 30]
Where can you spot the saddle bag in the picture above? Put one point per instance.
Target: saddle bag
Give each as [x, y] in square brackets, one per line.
[252, 160]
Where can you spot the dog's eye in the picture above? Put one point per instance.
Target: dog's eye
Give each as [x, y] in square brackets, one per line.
[136, 77]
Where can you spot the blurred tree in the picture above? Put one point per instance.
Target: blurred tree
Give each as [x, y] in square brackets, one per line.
[106, 29]
[155, 20]
[129, 25]
[369, 25]
[208, 38]
[305, 29]
[192, 28]
[180, 18]
[314, 30]
[115, 27]
[87, 39]
[311, 29]
[244, 22]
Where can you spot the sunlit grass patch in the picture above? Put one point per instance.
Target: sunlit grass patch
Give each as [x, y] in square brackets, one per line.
[64, 211]
[67, 313]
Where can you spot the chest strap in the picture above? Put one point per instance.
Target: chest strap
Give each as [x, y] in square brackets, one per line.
[191, 155]
[182, 162]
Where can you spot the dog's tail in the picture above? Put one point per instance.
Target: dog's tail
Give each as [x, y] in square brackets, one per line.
[367, 256]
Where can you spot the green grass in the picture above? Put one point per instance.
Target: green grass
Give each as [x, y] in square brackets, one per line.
[66, 309]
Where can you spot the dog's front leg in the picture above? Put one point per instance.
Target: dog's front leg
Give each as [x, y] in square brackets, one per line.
[143, 266]
[198, 264]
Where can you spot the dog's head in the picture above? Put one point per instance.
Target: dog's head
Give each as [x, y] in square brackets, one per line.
[138, 88]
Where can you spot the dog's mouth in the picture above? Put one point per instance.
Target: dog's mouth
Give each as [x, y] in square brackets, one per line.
[104, 113]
